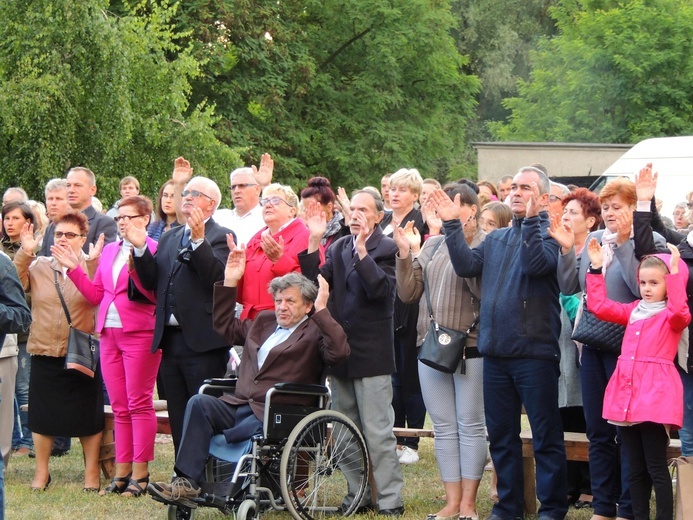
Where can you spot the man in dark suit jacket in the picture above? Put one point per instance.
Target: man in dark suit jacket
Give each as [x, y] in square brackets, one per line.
[187, 263]
[284, 345]
[360, 270]
[81, 186]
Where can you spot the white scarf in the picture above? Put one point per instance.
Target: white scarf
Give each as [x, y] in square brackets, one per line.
[646, 310]
[608, 243]
[689, 239]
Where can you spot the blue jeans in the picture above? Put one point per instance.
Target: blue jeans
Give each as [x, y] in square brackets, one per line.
[686, 433]
[21, 435]
[608, 472]
[508, 384]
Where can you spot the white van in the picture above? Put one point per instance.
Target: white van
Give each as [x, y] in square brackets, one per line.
[671, 157]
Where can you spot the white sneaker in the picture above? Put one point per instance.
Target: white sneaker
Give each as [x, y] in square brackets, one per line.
[408, 456]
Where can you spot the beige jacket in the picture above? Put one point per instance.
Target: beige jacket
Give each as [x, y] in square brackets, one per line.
[455, 300]
[49, 329]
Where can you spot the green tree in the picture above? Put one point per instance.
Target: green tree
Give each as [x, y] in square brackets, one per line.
[81, 86]
[349, 90]
[616, 72]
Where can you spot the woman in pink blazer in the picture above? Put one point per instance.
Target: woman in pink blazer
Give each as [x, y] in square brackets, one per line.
[128, 365]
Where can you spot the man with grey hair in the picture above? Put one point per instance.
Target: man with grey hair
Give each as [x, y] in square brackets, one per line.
[14, 194]
[188, 261]
[518, 339]
[289, 344]
[246, 187]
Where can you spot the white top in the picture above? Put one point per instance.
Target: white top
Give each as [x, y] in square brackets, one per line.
[245, 227]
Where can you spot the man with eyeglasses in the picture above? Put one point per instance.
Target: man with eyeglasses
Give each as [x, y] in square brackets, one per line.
[246, 186]
[80, 184]
[188, 261]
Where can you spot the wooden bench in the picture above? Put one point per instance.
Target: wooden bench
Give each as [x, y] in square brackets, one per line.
[576, 448]
[107, 451]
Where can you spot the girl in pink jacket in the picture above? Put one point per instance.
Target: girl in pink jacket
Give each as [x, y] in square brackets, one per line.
[644, 396]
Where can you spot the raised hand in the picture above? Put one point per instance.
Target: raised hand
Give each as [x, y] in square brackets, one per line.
[402, 241]
[323, 294]
[624, 225]
[273, 249]
[594, 250]
[182, 171]
[432, 219]
[675, 257]
[133, 234]
[447, 209]
[231, 242]
[96, 249]
[413, 236]
[196, 222]
[65, 256]
[646, 183]
[533, 204]
[263, 176]
[364, 231]
[315, 220]
[235, 264]
[562, 232]
[27, 239]
[343, 203]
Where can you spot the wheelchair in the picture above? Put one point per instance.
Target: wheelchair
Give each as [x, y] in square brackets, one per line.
[297, 464]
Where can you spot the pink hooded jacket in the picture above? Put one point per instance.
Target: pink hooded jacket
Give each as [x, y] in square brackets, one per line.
[645, 385]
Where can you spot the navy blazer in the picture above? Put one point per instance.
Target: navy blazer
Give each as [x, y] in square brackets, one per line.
[191, 283]
[362, 297]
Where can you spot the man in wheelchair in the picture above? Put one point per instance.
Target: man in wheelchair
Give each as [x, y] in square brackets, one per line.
[291, 344]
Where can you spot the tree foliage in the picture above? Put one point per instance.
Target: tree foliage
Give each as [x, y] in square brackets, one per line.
[81, 86]
[619, 71]
[349, 90]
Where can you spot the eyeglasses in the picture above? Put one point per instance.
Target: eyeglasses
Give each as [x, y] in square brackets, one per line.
[273, 201]
[69, 235]
[554, 198]
[127, 218]
[240, 186]
[194, 194]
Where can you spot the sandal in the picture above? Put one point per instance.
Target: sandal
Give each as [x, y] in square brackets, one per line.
[134, 489]
[117, 485]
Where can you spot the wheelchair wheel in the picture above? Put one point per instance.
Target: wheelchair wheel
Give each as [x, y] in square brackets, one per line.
[246, 511]
[321, 450]
[181, 512]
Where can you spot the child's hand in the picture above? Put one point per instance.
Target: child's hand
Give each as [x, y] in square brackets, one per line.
[594, 250]
[675, 257]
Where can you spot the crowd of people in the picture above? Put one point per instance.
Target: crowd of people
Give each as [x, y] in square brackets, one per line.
[316, 279]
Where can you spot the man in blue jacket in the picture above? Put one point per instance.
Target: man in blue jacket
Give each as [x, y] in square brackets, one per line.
[518, 337]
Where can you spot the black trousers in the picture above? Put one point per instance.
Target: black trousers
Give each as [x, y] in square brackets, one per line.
[645, 445]
[183, 372]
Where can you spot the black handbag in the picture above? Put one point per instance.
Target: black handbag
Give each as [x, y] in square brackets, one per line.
[134, 294]
[82, 347]
[604, 335]
[444, 349]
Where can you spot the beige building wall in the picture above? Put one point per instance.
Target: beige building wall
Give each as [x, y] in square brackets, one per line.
[561, 159]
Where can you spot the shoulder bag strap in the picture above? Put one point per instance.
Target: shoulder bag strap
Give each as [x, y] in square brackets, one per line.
[425, 279]
[62, 300]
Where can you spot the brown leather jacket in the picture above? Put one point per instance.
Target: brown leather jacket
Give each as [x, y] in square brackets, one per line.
[49, 329]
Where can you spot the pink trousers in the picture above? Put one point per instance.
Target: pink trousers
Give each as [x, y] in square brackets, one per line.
[129, 370]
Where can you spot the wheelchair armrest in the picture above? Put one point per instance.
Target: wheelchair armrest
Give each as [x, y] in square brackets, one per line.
[297, 388]
[229, 382]
[218, 386]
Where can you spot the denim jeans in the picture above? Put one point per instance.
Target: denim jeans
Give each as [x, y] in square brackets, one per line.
[21, 435]
[508, 384]
[686, 433]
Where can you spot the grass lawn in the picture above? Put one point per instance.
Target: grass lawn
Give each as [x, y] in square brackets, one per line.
[65, 499]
